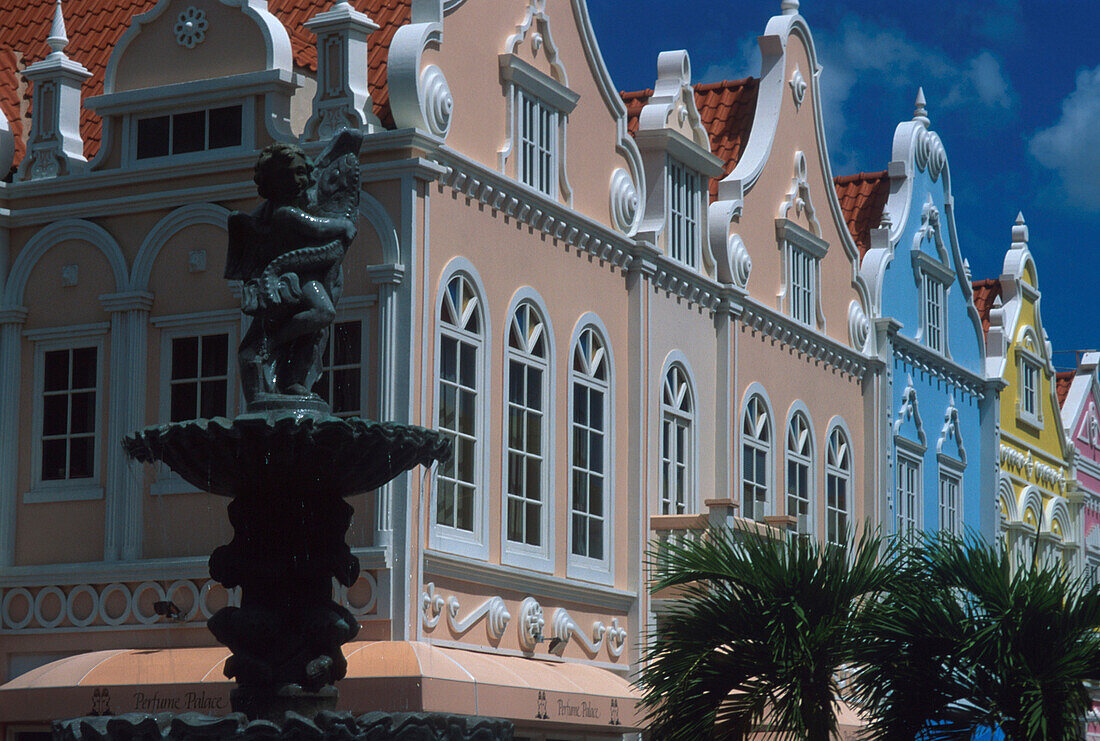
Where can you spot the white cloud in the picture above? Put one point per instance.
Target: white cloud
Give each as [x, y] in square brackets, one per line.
[1071, 147]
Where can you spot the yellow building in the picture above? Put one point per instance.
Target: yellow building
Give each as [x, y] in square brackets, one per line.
[1036, 491]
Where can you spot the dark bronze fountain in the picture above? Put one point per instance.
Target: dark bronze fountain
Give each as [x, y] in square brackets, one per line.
[288, 464]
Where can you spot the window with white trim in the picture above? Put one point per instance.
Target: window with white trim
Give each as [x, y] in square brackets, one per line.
[459, 367]
[934, 312]
[198, 384]
[538, 128]
[588, 443]
[341, 381]
[907, 495]
[802, 284]
[838, 483]
[950, 521]
[69, 413]
[525, 397]
[677, 486]
[191, 131]
[683, 207]
[1031, 382]
[755, 459]
[799, 465]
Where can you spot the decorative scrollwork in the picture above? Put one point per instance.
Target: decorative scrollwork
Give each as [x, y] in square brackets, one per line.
[531, 623]
[930, 154]
[191, 27]
[859, 328]
[624, 200]
[740, 260]
[616, 638]
[431, 604]
[492, 608]
[798, 87]
[437, 101]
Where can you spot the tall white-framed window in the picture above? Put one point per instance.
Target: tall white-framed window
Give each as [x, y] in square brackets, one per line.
[683, 207]
[526, 428]
[677, 416]
[68, 413]
[934, 313]
[950, 502]
[756, 447]
[838, 484]
[538, 143]
[341, 381]
[800, 461]
[459, 397]
[907, 494]
[802, 282]
[198, 365]
[589, 462]
[1029, 403]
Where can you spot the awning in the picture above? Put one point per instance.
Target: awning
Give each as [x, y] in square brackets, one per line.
[382, 675]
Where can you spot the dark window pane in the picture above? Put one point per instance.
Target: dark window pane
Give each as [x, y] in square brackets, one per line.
[56, 370]
[53, 459]
[188, 132]
[445, 500]
[534, 479]
[515, 520]
[515, 428]
[464, 517]
[185, 401]
[345, 338]
[580, 450]
[595, 497]
[84, 368]
[580, 491]
[534, 534]
[225, 127]
[466, 417]
[447, 407]
[534, 388]
[515, 382]
[580, 404]
[534, 434]
[55, 414]
[596, 454]
[595, 539]
[448, 360]
[152, 137]
[215, 355]
[82, 412]
[185, 357]
[596, 409]
[468, 365]
[81, 456]
[213, 399]
[345, 389]
[580, 530]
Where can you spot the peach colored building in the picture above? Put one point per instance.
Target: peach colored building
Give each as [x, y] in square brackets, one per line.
[633, 317]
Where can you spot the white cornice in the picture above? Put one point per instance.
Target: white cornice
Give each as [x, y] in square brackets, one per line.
[936, 364]
[528, 582]
[798, 336]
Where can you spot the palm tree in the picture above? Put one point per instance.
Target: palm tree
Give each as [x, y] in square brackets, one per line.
[760, 630]
[966, 642]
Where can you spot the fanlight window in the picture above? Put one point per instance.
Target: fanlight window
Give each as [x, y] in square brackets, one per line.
[526, 423]
[589, 435]
[799, 462]
[838, 482]
[755, 464]
[676, 420]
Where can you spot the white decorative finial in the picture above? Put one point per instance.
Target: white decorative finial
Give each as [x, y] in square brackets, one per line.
[789, 7]
[966, 270]
[57, 39]
[920, 113]
[1019, 232]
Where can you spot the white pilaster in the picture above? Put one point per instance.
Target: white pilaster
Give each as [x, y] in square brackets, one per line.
[11, 322]
[126, 413]
[55, 147]
[343, 98]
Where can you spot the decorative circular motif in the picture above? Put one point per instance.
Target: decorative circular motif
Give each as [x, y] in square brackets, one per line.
[187, 586]
[105, 597]
[438, 103]
[531, 623]
[930, 154]
[368, 606]
[40, 601]
[5, 606]
[740, 261]
[858, 327]
[70, 606]
[158, 593]
[191, 27]
[498, 618]
[624, 200]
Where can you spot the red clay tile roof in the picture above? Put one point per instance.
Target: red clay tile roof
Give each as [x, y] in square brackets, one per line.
[862, 199]
[726, 110]
[986, 293]
[94, 27]
[1064, 379]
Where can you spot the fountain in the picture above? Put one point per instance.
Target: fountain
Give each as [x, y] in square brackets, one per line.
[288, 464]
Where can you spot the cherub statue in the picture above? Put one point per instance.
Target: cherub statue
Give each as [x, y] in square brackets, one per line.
[288, 253]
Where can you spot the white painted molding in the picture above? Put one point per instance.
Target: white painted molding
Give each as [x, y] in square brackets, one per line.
[47, 237]
[531, 624]
[343, 95]
[859, 328]
[909, 411]
[623, 201]
[493, 611]
[165, 229]
[420, 97]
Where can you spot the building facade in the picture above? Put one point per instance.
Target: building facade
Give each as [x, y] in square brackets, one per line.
[1079, 396]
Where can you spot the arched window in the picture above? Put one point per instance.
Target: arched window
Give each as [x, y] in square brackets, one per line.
[677, 410]
[756, 446]
[838, 484]
[799, 465]
[460, 349]
[588, 432]
[525, 434]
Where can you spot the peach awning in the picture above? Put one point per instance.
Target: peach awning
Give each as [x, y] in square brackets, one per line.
[382, 675]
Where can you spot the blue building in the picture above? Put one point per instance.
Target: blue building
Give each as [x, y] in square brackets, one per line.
[934, 413]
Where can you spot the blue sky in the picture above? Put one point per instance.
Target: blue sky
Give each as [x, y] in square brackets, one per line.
[1013, 89]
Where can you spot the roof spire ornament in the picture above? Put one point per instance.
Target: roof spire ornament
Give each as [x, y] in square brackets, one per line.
[920, 113]
[789, 7]
[1019, 232]
[57, 39]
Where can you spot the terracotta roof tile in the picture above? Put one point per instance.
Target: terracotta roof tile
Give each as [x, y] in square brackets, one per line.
[986, 293]
[94, 27]
[726, 110]
[1063, 380]
[862, 199]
